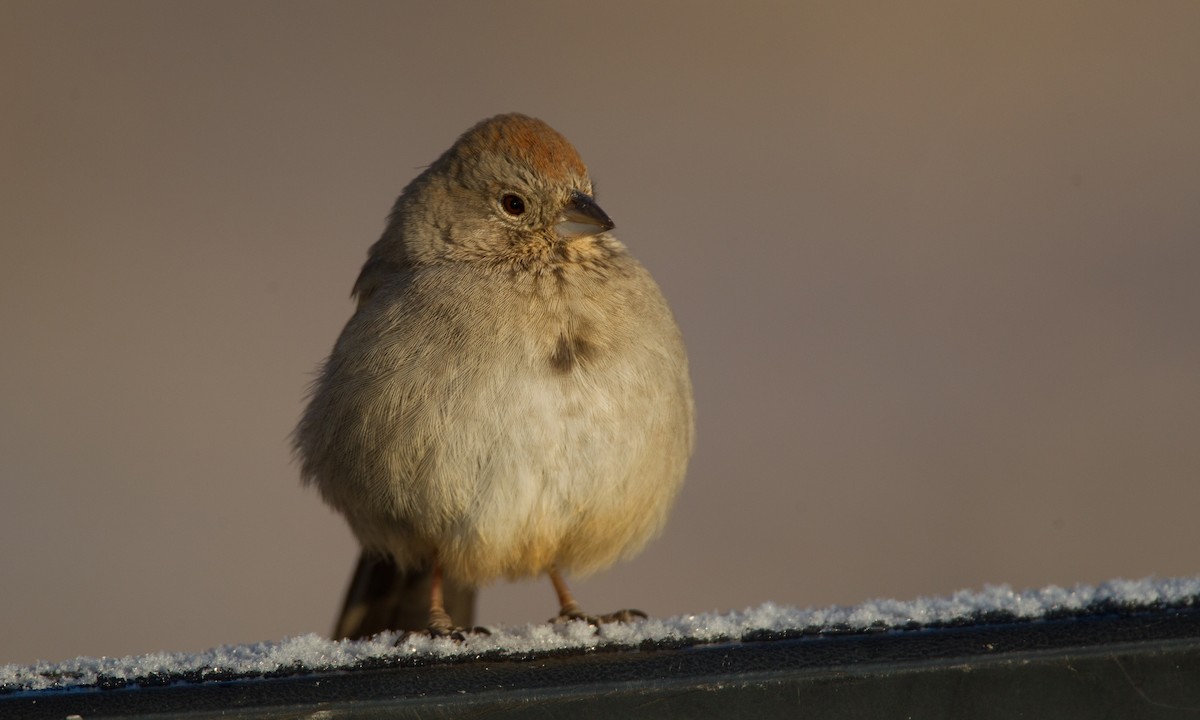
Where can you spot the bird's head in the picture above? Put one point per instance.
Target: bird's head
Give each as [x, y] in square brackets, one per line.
[509, 184]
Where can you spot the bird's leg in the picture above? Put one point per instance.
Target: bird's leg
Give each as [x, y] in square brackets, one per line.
[440, 623]
[439, 620]
[569, 609]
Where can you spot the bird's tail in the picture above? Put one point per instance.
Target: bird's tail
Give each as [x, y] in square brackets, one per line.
[382, 597]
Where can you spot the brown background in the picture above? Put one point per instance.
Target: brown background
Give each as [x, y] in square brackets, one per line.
[938, 267]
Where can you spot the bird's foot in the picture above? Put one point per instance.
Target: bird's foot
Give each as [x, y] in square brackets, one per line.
[441, 626]
[457, 634]
[573, 612]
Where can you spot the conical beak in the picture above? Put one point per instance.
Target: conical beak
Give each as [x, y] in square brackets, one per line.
[582, 217]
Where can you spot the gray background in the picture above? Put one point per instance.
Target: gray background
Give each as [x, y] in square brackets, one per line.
[937, 265]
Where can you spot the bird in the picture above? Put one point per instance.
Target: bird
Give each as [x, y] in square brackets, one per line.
[510, 397]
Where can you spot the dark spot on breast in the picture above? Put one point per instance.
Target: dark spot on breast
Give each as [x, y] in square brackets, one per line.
[571, 350]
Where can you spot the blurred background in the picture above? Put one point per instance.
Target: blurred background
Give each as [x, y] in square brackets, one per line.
[937, 265]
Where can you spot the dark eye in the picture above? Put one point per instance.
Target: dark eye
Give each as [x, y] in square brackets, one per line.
[512, 204]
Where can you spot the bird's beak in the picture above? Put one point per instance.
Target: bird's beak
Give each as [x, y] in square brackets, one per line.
[582, 217]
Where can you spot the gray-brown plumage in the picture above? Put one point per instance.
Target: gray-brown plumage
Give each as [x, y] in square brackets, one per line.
[511, 396]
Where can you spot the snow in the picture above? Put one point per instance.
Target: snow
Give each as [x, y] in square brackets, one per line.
[312, 653]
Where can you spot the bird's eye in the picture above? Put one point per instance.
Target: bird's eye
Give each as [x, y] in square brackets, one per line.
[512, 204]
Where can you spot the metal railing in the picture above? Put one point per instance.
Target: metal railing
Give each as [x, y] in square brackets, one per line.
[1124, 661]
